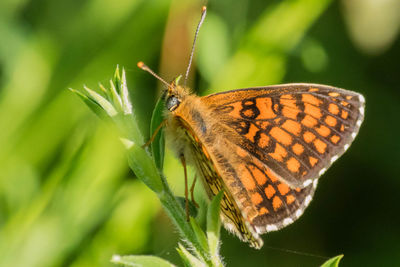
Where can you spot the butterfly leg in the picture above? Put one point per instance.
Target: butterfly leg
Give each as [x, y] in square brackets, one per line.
[192, 191]
[153, 136]
[183, 161]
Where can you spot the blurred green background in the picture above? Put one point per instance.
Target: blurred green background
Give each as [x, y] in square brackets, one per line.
[67, 196]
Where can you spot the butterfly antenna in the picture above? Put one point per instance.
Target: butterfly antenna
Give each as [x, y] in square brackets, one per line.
[144, 67]
[203, 16]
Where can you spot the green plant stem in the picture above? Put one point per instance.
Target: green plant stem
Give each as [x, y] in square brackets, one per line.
[144, 167]
[176, 212]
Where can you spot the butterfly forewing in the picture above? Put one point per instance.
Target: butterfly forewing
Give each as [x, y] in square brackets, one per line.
[297, 130]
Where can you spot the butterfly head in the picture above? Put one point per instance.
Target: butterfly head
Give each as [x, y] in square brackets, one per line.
[175, 94]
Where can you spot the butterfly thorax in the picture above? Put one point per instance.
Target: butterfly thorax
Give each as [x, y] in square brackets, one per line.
[182, 108]
[179, 103]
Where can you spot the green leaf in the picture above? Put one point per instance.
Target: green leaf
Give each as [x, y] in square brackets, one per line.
[117, 80]
[127, 106]
[116, 99]
[158, 144]
[143, 166]
[96, 108]
[105, 92]
[333, 262]
[201, 237]
[214, 225]
[145, 261]
[100, 100]
[188, 259]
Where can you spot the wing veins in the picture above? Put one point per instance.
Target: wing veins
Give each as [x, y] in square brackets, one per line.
[266, 165]
[279, 94]
[302, 141]
[292, 153]
[326, 98]
[297, 138]
[350, 101]
[324, 123]
[325, 113]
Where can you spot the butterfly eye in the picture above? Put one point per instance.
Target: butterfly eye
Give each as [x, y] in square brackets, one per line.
[172, 103]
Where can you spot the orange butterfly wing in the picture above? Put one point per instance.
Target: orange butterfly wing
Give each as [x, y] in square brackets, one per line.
[296, 130]
[288, 136]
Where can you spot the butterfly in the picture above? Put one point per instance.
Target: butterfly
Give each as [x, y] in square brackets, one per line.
[266, 147]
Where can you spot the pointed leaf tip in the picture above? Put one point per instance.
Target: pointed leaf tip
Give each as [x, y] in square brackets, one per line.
[115, 96]
[333, 262]
[101, 101]
[127, 105]
[91, 103]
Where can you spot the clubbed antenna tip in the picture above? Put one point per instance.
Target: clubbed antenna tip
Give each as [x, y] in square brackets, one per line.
[140, 64]
[144, 67]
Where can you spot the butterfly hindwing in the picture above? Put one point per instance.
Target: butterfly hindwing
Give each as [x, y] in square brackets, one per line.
[277, 204]
[297, 130]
